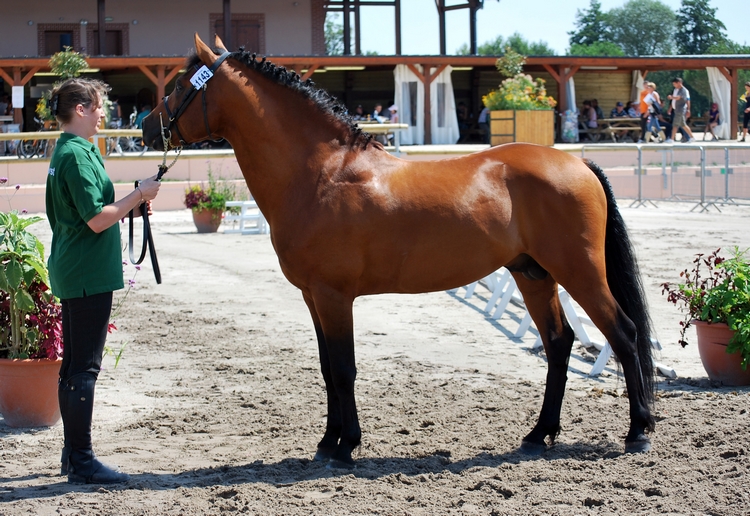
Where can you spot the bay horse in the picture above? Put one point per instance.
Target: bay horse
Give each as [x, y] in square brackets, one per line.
[348, 219]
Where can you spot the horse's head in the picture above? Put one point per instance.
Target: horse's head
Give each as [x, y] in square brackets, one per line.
[185, 116]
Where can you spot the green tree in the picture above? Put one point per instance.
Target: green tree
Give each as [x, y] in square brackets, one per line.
[698, 28]
[334, 36]
[643, 27]
[600, 48]
[592, 26]
[729, 47]
[517, 42]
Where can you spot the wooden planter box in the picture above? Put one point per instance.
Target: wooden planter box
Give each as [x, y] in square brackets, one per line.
[522, 126]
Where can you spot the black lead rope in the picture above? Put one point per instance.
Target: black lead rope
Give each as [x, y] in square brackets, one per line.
[166, 136]
[148, 240]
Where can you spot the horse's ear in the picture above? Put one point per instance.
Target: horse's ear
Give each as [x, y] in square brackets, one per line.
[204, 53]
[218, 43]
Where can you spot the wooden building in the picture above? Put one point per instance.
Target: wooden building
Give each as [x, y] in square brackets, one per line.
[145, 44]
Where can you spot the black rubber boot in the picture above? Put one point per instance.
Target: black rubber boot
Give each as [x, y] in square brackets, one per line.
[66, 449]
[77, 402]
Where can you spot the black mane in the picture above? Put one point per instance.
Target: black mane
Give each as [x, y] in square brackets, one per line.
[326, 102]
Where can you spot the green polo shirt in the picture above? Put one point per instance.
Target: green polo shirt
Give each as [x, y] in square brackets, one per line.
[81, 262]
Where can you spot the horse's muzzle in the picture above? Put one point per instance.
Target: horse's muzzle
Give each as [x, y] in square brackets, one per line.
[152, 132]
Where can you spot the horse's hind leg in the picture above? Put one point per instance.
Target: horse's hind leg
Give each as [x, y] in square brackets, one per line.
[597, 301]
[542, 302]
[327, 445]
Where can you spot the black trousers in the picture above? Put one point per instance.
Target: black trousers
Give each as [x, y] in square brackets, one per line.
[85, 321]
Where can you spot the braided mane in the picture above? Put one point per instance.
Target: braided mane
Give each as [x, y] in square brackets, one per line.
[326, 102]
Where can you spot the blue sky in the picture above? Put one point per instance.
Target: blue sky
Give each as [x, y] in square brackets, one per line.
[540, 20]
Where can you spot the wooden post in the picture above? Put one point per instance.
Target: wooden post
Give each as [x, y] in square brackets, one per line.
[397, 6]
[347, 28]
[18, 112]
[441, 15]
[426, 78]
[227, 39]
[100, 12]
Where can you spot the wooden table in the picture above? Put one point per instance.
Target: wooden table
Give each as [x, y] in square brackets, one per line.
[614, 129]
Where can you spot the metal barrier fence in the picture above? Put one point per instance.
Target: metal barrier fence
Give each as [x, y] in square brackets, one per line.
[706, 174]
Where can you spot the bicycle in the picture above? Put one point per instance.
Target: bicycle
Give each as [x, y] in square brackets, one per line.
[42, 147]
[123, 144]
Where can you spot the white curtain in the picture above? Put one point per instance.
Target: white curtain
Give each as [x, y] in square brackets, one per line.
[444, 124]
[571, 96]
[409, 97]
[721, 92]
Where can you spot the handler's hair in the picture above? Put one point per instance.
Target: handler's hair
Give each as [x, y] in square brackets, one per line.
[68, 94]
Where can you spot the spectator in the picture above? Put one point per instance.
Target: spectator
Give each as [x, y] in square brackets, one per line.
[595, 105]
[145, 110]
[654, 110]
[631, 110]
[588, 114]
[483, 120]
[745, 112]
[393, 110]
[359, 113]
[377, 113]
[643, 112]
[714, 119]
[618, 111]
[115, 113]
[5, 106]
[680, 110]
[462, 113]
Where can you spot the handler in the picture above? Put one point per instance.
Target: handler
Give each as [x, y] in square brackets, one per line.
[85, 265]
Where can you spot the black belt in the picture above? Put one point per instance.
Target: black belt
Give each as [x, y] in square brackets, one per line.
[148, 241]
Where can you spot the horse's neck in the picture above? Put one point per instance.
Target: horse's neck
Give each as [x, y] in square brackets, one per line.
[278, 139]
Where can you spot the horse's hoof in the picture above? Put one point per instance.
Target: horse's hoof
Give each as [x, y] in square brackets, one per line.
[532, 449]
[338, 464]
[641, 445]
[323, 455]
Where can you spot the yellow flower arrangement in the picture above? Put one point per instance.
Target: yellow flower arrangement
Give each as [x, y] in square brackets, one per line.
[520, 93]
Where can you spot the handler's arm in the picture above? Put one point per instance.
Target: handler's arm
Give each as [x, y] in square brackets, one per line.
[112, 213]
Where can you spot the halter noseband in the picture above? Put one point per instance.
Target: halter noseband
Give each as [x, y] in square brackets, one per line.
[188, 98]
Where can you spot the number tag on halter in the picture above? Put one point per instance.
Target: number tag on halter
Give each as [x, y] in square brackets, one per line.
[201, 77]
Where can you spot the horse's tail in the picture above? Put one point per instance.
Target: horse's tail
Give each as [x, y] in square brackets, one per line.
[625, 282]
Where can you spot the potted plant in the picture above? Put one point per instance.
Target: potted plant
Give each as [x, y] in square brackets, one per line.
[209, 202]
[66, 63]
[520, 110]
[30, 327]
[717, 302]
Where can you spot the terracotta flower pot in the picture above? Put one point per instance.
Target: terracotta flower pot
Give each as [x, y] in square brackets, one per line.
[712, 347]
[207, 221]
[28, 392]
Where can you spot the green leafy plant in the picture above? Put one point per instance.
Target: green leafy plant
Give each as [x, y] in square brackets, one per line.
[67, 64]
[30, 317]
[518, 91]
[718, 294]
[211, 197]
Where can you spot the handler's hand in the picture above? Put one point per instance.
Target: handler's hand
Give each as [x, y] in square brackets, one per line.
[149, 188]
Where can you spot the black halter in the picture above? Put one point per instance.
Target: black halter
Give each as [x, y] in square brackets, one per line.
[186, 102]
[148, 241]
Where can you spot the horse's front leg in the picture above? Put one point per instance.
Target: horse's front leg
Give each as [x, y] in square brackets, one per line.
[335, 329]
[327, 445]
